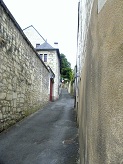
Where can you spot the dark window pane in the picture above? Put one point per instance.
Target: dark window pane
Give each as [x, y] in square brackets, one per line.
[45, 57]
[41, 56]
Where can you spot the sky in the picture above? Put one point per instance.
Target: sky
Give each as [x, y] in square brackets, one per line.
[56, 21]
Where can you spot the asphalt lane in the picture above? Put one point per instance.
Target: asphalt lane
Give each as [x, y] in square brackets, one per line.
[50, 136]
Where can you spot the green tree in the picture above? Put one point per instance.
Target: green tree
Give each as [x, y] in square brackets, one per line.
[64, 61]
[66, 71]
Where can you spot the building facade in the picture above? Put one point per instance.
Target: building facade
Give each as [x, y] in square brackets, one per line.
[33, 35]
[51, 57]
[99, 80]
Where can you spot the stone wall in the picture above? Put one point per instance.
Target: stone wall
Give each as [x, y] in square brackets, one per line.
[100, 102]
[24, 78]
[54, 63]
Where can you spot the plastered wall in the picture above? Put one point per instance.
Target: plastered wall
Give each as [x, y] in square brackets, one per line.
[100, 109]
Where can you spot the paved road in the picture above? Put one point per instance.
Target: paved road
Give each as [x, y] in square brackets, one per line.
[47, 137]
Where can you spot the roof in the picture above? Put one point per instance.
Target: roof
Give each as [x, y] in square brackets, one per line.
[33, 35]
[31, 26]
[51, 71]
[45, 46]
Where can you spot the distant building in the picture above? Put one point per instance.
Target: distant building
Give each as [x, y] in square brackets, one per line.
[33, 35]
[51, 57]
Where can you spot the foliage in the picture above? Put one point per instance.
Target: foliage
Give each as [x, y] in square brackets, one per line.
[66, 71]
[64, 61]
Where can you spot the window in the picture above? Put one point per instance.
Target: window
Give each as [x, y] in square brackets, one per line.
[41, 56]
[45, 57]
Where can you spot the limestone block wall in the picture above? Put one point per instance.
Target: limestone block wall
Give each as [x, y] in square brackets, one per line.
[24, 78]
[100, 109]
[53, 62]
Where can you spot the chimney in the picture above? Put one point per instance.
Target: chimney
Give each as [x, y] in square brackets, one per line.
[37, 45]
[55, 44]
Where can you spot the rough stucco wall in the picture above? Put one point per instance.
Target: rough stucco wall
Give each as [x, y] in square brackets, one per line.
[111, 83]
[24, 80]
[84, 9]
[101, 3]
[101, 87]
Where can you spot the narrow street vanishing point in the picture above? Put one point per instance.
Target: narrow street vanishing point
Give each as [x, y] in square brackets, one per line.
[49, 136]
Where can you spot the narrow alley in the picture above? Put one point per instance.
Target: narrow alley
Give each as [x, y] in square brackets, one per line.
[49, 136]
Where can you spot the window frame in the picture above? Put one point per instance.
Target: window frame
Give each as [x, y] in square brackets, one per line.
[45, 57]
[41, 56]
